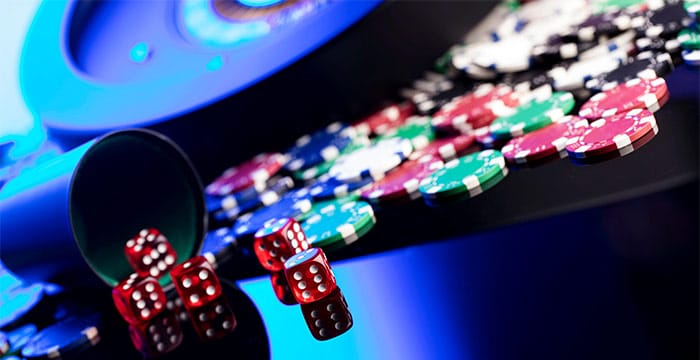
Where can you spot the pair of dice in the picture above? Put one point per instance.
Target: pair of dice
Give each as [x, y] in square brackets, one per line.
[302, 270]
[141, 300]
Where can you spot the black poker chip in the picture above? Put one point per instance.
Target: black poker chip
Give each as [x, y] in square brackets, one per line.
[557, 50]
[665, 22]
[598, 25]
[524, 81]
[645, 65]
[65, 338]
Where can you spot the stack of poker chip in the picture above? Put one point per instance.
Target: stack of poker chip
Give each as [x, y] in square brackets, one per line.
[501, 98]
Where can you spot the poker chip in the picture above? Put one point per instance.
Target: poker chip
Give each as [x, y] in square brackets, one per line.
[609, 23]
[612, 133]
[463, 60]
[692, 7]
[475, 109]
[574, 76]
[511, 54]
[417, 130]
[387, 118]
[633, 94]
[403, 181]
[533, 115]
[327, 187]
[335, 223]
[217, 245]
[291, 204]
[428, 104]
[663, 22]
[623, 42]
[463, 175]
[557, 50]
[253, 173]
[645, 65]
[446, 148]
[323, 145]
[526, 81]
[18, 338]
[357, 143]
[671, 46]
[547, 141]
[233, 205]
[448, 199]
[691, 57]
[64, 338]
[371, 162]
[689, 38]
[623, 151]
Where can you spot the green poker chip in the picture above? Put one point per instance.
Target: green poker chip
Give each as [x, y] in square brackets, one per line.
[336, 223]
[438, 201]
[315, 171]
[533, 115]
[693, 8]
[463, 175]
[418, 130]
[689, 39]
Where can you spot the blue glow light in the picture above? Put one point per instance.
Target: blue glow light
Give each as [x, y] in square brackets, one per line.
[260, 3]
[140, 52]
[99, 102]
[18, 302]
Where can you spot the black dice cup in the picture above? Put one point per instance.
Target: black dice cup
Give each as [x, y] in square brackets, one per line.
[67, 220]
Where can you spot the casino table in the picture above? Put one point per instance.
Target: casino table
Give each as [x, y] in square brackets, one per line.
[595, 258]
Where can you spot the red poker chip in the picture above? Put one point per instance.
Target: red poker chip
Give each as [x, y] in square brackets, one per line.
[637, 93]
[386, 119]
[612, 133]
[624, 151]
[403, 181]
[475, 109]
[254, 172]
[446, 148]
[548, 141]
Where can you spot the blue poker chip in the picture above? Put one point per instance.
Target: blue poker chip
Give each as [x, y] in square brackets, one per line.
[323, 145]
[232, 206]
[328, 187]
[217, 245]
[291, 204]
[67, 337]
[18, 302]
[19, 337]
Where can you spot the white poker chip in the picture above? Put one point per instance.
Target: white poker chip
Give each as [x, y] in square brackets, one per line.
[371, 162]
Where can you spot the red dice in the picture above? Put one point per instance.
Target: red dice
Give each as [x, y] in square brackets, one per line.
[277, 242]
[309, 275]
[139, 299]
[281, 288]
[150, 254]
[328, 317]
[213, 320]
[158, 336]
[196, 282]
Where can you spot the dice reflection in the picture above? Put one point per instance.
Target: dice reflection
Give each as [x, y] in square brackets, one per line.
[329, 317]
[158, 336]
